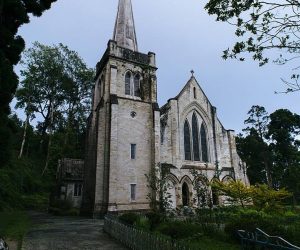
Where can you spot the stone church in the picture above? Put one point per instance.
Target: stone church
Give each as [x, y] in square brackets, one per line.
[129, 134]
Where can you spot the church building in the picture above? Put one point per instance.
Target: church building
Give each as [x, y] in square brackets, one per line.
[129, 134]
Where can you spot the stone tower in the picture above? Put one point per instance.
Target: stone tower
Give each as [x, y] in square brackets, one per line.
[123, 136]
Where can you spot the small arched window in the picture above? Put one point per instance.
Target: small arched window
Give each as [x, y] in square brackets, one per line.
[137, 91]
[195, 93]
[187, 141]
[204, 144]
[127, 83]
[195, 131]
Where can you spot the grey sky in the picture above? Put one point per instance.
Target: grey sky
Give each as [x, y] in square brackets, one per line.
[183, 37]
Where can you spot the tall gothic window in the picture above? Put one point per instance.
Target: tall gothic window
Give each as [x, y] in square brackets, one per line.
[195, 132]
[127, 83]
[204, 144]
[187, 141]
[137, 91]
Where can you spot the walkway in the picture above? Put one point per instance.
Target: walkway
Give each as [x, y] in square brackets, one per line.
[71, 233]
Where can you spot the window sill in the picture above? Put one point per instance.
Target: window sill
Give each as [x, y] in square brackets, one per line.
[198, 165]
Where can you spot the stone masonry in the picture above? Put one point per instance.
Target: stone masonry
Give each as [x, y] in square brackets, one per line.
[128, 134]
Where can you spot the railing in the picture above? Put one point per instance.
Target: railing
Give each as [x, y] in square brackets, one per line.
[260, 240]
[139, 240]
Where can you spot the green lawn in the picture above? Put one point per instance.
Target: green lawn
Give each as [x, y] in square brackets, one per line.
[206, 243]
[14, 225]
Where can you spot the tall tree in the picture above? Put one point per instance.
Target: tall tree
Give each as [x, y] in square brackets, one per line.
[59, 85]
[262, 25]
[284, 127]
[254, 149]
[13, 14]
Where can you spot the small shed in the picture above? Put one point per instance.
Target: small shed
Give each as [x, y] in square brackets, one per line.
[70, 180]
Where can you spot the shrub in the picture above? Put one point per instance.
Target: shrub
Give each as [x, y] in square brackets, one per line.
[154, 219]
[62, 204]
[142, 223]
[179, 229]
[36, 201]
[249, 220]
[63, 212]
[129, 218]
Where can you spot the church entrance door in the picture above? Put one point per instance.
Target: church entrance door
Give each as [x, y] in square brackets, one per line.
[185, 195]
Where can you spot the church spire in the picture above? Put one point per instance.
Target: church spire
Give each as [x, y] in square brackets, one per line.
[124, 33]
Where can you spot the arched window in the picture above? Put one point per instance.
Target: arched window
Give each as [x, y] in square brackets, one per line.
[137, 91]
[185, 195]
[195, 93]
[195, 131]
[204, 144]
[187, 141]
[127, 83]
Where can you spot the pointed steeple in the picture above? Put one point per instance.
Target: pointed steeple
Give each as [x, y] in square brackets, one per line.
[124, 33]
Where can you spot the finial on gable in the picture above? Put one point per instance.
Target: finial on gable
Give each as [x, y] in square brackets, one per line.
[192, 72]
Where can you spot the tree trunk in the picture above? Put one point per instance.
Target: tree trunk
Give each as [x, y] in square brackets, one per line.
[50, 141]
[24, 136]
[268, 171]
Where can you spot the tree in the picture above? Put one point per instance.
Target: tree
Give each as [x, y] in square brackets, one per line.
[262, 26]
[254, 149]
[13, 14]
[266, 198]
[283, 128]
[201, 186]
[158, 185]
[236, 191]
[57, 86]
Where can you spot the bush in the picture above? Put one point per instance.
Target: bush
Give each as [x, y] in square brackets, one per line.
[249, 220]
[129, 218]
[36, 201]
[62, 204]
[179, 229]
[61, 212]
[142, 223]
[154, 219]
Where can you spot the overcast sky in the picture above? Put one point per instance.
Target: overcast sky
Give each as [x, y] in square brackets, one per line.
[184, 37]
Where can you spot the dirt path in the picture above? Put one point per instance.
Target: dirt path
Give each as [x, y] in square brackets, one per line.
[60, 233]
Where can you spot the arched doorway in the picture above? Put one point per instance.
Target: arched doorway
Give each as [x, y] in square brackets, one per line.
[185, 195]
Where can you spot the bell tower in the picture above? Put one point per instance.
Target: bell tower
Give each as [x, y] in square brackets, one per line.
[123, 135]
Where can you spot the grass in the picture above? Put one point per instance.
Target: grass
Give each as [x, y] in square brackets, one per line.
[14, 225]
[207, 243]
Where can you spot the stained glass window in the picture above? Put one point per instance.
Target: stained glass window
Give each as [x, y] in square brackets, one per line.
[187, 141]
[127, 83]
[137, 91]
[204, 144]
[195, 131]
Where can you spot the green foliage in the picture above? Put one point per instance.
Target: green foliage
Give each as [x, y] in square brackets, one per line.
[268, 199]
[249, 220]
[158, 185]
[11, 47]
[14, 225]
[63, 208]
[179, 229]
[143, 223]
[261, 26]
[22, 186]
[237, 192]
[57, 86]
[155, 219]
[207, 243]
[129, 218]
[270, 149]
